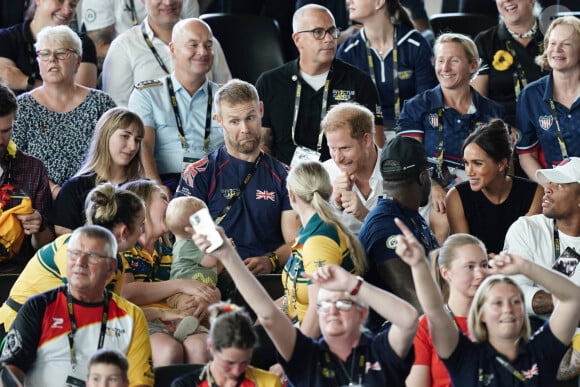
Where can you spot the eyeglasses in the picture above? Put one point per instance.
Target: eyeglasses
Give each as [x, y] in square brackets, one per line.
[59, 53]
[92, 258]
[320, 33]
[341, 305]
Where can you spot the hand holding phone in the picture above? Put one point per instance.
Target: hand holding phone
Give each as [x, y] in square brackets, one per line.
[202, 223]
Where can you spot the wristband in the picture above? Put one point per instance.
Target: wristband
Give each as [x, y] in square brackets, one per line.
[275, 261]
[356, 289]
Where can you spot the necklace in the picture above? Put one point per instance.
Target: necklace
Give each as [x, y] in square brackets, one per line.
[526, 35]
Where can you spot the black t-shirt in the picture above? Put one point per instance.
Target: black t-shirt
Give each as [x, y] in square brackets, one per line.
[17, 44]
[277, 89]
[501, 87]
[69, 207]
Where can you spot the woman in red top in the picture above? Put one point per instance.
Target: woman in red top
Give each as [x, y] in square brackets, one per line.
[458, 268]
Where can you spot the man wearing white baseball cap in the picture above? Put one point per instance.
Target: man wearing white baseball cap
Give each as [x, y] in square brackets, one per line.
[551, 239]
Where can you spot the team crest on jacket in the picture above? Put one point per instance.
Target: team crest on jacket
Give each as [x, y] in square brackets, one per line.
[265, 195]
[342, 95]
[434, 120]
[546, 121]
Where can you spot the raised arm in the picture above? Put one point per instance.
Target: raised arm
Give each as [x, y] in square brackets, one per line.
[274, 321]
[445, 335]
[401, 314]
[566, 314]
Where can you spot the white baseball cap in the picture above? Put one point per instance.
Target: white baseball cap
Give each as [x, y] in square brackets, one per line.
[568, 171]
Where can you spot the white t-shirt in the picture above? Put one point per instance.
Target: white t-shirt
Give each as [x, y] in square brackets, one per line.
[532, 237]
[130, 61]
[97, 14]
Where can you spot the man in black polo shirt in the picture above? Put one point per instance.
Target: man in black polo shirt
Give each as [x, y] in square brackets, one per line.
[297, 94]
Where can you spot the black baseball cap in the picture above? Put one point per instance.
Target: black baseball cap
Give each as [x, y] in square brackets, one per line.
[403, 157]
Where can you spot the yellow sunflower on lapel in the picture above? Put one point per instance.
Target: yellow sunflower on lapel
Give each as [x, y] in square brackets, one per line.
[502, 60]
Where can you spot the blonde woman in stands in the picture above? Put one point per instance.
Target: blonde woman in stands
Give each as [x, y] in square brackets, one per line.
[503, 353]
[459, 268]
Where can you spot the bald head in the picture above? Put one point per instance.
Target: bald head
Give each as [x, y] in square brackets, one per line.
[309, 11]
[191, 49]
[185, 26]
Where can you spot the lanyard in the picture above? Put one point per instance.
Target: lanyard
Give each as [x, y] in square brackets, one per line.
[517, 374]
[73, 326]
[397, 99]
[322, 109]
[450, 313]
[134, 18]
[556, 241]
[558, 130]
[153, 50]
[234, 197]
[178, 117]
[440, 147]
[352, 377]
[520, 80]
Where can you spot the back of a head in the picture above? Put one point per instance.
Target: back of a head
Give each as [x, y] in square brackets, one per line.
[402, 159]
[231, 327]
[178, 212]
[8, 102]
[308, 178]
[108, 206]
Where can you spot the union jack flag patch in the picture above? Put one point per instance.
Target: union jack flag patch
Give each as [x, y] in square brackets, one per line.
[265, 195]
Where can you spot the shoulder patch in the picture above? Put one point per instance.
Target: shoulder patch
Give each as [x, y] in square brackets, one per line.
[392, 242]
[149, 83]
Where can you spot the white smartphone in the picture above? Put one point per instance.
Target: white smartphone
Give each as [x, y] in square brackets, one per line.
[202, 223]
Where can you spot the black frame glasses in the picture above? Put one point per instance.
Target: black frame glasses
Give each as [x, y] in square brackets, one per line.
[319, 33]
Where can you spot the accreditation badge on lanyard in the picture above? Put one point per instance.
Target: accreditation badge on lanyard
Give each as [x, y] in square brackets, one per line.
[75, 381]
[302, 154]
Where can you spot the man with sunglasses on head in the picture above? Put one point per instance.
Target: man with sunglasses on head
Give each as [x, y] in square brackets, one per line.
[56, 332]
[344, 355]
[298, 94]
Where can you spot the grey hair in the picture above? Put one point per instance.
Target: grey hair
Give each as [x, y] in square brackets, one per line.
[299, 14]
[59, 34]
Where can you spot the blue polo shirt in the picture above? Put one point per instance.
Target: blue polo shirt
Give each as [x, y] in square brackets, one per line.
[312, 364]
[475, 364]
[416, 73]
[150, 100]
[537, 124]
[254, 221]
[420, 119]
[378, 236]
